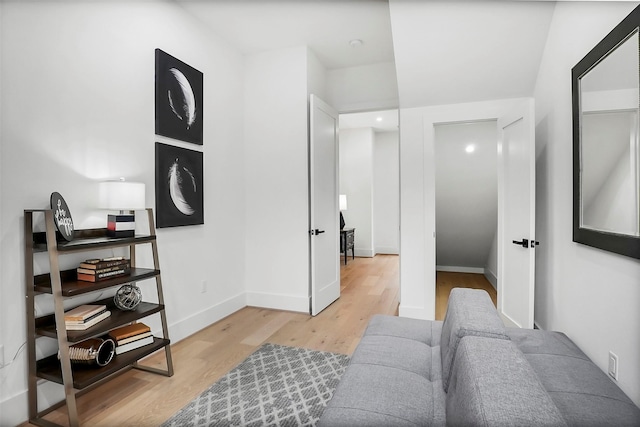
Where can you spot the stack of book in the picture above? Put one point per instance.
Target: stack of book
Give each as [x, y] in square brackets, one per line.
[85, 316]
[94, 270]
[121, 225]
[130, 337]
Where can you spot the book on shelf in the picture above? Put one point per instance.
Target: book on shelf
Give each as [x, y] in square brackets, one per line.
[99, 264]
[103, 270]
[120, 234]
[83, 312]
[133, 338]
[128, 331]
[121, 226]
[103, 276]
[121, 218]
[88, 319]
[88, 323]
[134, 344]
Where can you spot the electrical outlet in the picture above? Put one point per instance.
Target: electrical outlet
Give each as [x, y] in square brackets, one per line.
[613, 365]
[203, 287]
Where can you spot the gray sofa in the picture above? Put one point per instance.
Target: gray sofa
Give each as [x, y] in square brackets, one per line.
[472, 371]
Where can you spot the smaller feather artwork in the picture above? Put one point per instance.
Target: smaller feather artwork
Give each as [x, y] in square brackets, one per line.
[178, 99]
[179, 191]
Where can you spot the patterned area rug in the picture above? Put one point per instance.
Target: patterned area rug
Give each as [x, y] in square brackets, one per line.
[275, 386]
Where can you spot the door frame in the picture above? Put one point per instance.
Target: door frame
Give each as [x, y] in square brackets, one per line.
[417, 207]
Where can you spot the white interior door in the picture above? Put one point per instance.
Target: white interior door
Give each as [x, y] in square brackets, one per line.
[324, 228]
[516, 216]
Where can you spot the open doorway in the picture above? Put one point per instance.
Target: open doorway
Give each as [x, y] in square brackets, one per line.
[466, 172]
[369, 169]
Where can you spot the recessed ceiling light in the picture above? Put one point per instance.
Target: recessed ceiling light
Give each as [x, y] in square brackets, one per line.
[355, 43]
[470, 148]
[378, 119]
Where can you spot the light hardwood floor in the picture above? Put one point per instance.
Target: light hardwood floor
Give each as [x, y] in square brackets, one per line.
[368, 286]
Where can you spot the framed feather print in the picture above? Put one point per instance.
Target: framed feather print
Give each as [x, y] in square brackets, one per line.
[179, 99]
[179, 186]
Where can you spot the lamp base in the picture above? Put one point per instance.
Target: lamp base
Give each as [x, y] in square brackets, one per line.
[121, 225]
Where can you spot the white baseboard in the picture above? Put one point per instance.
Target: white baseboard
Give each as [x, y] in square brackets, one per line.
[198, 321]
[387, 251]
[491, 278]
[14, 410]
[365, 253]
[457, 269]
[278, 301]
[414, 312]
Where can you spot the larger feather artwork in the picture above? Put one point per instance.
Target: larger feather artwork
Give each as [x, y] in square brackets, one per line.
[178, 99]
[179, 192]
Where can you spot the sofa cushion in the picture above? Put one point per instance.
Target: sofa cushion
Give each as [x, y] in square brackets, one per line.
[371, 395]
[470, 312]
[400, 353]
[584, 394]
[393, 379]
[427, 332]
[493, 385]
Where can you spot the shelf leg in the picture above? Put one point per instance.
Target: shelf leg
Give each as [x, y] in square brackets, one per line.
[163, 314]
[63, 344]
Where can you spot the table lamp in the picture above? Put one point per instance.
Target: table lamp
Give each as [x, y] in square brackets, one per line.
[343, 207]
[123, 196]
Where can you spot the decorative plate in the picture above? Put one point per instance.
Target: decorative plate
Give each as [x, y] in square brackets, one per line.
[62, 216]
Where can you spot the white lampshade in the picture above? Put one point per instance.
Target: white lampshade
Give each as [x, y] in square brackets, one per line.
[122, 195]
[343, 202]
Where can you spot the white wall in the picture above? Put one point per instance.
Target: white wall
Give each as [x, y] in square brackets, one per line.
[77, 81]
[386, 193]
[466, 194]
[277, 84]
[368, 87]
[356, 182]
[589, 294]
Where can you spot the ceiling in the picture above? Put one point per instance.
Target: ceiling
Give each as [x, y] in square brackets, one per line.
[444, 51]
[326, 26]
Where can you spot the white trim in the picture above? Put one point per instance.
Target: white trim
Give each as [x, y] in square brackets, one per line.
[413, 312]
[204, 318]
[491, 277]
[387, 250]
[278, 301]
[14, 409]
[366, 253]
[458, 269]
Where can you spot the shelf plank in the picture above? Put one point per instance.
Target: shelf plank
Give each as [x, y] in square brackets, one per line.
[86, 375]
[92, 238]
[45, 326]
[72, 287]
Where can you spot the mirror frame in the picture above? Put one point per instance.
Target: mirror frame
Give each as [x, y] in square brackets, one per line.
[618, 243]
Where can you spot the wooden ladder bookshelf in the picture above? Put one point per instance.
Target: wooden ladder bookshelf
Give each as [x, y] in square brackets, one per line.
[62, 284]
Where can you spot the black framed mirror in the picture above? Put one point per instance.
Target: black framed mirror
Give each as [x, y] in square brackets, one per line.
[606, 142]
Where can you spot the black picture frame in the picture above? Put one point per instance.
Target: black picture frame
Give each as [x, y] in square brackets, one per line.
[622, 244]
[179, 100]
[179, 186]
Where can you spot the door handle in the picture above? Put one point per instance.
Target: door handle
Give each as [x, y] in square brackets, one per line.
[316, 232]
[524, 243]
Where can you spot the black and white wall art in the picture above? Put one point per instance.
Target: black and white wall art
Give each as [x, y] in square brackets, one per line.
[179, 99]
[179, 186]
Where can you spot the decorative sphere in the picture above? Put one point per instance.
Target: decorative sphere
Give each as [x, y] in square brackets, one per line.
[127, 297]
